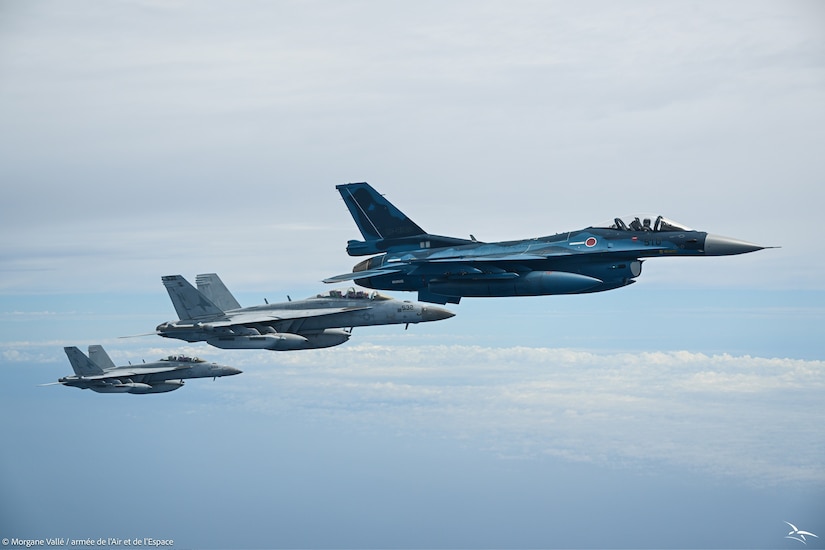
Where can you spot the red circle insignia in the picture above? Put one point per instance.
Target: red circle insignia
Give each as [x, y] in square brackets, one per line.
[590, 242]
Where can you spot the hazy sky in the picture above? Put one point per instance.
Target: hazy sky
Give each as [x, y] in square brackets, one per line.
[144, 138]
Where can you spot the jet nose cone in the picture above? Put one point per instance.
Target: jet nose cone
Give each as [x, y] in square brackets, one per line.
[716, 245]
[435, 313]
[231, 371]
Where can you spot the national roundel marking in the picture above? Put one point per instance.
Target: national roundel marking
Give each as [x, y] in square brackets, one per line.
[590, 242]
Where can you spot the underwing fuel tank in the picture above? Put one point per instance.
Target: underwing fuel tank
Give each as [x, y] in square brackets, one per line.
[535, 283]
[140, 388]
[127, 387]
[160, 387]
[326, 338]
[282, 341]
[278, 342]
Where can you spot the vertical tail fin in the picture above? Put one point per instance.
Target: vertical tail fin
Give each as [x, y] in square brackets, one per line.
[213, 288]
[100, 358]
[188, 301]
[384, 227]
[376, 217]
[82, 365]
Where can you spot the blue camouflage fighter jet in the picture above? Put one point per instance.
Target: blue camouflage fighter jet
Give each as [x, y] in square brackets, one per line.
[445, 269]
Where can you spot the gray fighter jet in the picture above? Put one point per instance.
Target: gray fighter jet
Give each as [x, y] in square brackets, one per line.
[445, 269]
[211, 314]
[97, 373]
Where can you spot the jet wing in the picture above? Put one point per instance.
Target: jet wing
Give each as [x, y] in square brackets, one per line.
[486, 258]
[269, 316]
[362, 274]
[136, 371]
[542, 253]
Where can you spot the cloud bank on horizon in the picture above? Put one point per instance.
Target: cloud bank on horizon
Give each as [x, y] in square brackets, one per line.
[737, 417]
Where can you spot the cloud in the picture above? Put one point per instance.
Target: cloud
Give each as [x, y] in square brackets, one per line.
[159, 121]
[221, 155]
[752, 419]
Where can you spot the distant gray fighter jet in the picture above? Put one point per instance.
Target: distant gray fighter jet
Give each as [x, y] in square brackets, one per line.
[97, 373]
[211, 314]
[445, 269]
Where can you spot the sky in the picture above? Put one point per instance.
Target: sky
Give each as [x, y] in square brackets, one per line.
[144, 138]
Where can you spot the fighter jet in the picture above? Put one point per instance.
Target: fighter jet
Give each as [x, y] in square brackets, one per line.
[97, 373]
[445, 269]
[211, 314]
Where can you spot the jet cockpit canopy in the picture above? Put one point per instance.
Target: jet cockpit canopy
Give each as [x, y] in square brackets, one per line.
[351, 294]
[644, 222]
[184, 359]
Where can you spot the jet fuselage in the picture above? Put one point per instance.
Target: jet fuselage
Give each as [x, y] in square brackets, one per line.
[160, 376]
[322, 321]
[445, 269]
[591, 260]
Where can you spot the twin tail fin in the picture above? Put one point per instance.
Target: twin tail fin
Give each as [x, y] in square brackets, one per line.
[211, 286]
[82, 365]
[189, 302]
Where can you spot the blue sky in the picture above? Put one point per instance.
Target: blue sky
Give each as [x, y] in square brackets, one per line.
[148, 138]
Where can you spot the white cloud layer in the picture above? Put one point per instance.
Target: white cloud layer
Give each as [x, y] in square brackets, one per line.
[754, 419]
